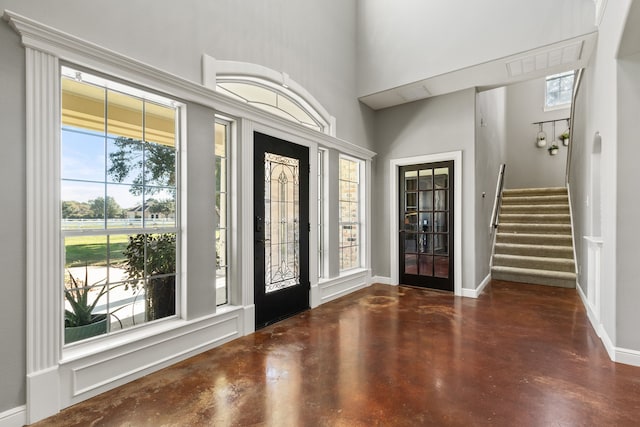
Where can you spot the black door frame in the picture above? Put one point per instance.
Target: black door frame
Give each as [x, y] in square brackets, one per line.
[433, 282]
[280, 304]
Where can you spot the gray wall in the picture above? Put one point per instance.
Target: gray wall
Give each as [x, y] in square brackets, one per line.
[491, 146]
[314, 42]
[412, 40]
[604, 107]
[435, 125]
[13, 225]
[628, 289]
[527, 165]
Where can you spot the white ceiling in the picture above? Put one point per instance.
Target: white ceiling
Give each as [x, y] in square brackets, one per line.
[566, 55]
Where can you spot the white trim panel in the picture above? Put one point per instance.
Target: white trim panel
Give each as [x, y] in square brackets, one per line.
[88, 376]
[456, 156]
[44, 266]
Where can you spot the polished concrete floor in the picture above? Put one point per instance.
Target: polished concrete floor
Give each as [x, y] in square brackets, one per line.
[520, 355]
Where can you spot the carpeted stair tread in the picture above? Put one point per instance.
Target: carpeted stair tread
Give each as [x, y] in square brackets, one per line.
[534, 276]
[534, 191]
[535, 239]
[535, 200]
[534, 242]
[535, 228]
[535, 218]
[534, 250]
[532, 209]
[533, 262]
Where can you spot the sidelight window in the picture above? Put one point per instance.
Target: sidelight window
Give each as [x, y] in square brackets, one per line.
[349, 213]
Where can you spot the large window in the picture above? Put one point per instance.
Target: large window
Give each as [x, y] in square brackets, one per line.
[222, 129]
[119, 190]
[559, 90]
[349, 208]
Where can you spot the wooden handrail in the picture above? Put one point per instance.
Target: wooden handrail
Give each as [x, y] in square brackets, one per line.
[498, 199]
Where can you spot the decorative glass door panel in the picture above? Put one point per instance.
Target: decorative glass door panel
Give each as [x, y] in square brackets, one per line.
[282, 224]
[281, 248]
[426, 210]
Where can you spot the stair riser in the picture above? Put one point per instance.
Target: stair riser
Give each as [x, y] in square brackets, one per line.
[536, 200]
[534, 191]
[551, 264]
[534, 280]
[534, 209]
[535, 219]
[551, 252]
[535, 239]
[559, 229]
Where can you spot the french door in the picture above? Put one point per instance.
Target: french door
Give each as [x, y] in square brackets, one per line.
[281, 229]
[426, 225]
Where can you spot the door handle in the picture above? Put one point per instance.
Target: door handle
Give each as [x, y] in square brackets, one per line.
[263, 240]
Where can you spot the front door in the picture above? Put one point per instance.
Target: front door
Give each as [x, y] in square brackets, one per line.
[426, 225]
[281, 229]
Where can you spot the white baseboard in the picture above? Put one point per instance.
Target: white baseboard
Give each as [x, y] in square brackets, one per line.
[628, 356]
[381, 279]
[343, 285]
[591, 315]
[616, 354]
[608, 344]
[475, 293]
[16, 417]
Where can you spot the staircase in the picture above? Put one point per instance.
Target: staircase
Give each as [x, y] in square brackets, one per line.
[533, 240]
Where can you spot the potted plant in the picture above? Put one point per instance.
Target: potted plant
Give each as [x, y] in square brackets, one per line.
[153, 257]
[565, 138]
[553, 149]
[80, 322]
[541, 139]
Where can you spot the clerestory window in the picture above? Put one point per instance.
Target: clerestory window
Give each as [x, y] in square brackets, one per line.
[119, 202]
[559, 90]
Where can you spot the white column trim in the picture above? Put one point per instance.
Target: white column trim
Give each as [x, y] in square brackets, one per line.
[44, 295]
[394, 165]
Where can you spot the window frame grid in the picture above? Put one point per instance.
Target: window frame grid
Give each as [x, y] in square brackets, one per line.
[145, 96]
[559, 77]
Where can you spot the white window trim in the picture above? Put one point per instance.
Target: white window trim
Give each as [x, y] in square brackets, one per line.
[53, 382]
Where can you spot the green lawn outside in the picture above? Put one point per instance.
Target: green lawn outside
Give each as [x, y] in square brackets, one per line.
[92, 250]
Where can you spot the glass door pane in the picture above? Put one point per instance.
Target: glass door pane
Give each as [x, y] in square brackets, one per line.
[282, 226]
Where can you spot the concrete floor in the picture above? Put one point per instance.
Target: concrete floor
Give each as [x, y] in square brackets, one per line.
[520, 355]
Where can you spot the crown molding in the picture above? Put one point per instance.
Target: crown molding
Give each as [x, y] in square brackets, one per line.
[69, 48]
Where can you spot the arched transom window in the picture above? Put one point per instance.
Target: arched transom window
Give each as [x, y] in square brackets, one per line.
[268, 97]
[268, 90]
